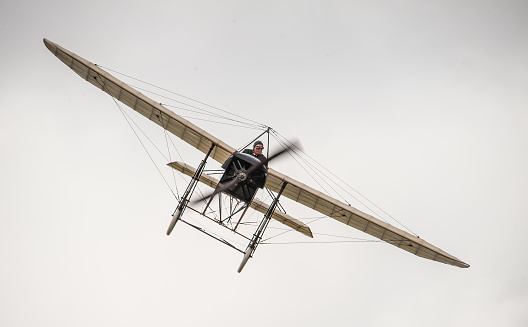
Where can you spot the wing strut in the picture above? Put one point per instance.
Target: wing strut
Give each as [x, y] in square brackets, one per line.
[188, 192]
[257, 237]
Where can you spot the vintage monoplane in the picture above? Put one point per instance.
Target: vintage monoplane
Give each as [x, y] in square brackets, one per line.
[244, 174]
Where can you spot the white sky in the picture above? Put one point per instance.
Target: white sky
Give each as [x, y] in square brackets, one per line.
[422, 106]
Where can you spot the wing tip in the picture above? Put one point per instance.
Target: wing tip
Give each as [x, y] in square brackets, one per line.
[50, 45]
[465, 265]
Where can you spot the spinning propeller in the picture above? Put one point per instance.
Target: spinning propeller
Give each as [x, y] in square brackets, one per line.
[242, 174]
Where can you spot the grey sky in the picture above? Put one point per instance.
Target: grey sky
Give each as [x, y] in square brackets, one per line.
[421, 106]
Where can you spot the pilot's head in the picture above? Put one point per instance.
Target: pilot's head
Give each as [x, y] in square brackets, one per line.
[258, 147]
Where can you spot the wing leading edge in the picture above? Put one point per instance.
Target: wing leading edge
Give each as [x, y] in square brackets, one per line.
[203, 141]
[154, 111]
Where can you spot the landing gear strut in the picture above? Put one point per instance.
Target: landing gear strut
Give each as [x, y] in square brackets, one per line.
[188, 192]
[257, 237]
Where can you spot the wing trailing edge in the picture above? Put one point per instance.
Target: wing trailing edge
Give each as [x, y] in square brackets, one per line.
[147, 107]
[203, 141]
[353, 217]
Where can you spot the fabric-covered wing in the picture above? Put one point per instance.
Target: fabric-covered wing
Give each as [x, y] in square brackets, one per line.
[255, 204]
[282, 218]
[351, 216]
[154, 111]
[203, 141]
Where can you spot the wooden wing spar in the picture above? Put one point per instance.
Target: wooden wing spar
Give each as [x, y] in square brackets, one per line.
[276, 181]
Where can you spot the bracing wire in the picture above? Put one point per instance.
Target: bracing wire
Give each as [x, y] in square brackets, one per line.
[170, 158]
[200, 111]
[308, 167]
[323, 242]
[327, 178]
[185, 97]
[144, 147]
[285, 143]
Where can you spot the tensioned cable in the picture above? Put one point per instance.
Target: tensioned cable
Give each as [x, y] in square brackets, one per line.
[170, 158]
[291, 230]
[140, 129]
[216, 122]
[294, 147]
[185, 97]
[125, 115]
[282, 143]
[254, 126]
[323, 242]
[212, 121]
[349, 239]
[326, 180]
[145, 148]
[182, 175]
[205, 112]
[212, 233]
[342, 181]
[129, 120]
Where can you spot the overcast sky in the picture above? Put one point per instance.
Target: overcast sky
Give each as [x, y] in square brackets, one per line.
[420, 105]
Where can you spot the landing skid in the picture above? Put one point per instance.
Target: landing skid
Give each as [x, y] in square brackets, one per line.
[188, 192]
[257, 237]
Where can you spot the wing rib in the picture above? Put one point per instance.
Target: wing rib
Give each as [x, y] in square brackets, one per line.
[202, 140]
[353, 217]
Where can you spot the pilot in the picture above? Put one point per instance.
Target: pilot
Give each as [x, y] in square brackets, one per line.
[257, 151]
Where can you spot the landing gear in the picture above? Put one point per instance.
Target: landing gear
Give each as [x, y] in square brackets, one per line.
[243, 175]
[175, 217]
[257, 237]
[188, 192]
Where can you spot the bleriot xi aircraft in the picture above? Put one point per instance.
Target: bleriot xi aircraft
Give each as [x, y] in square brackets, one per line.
[243, 175]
